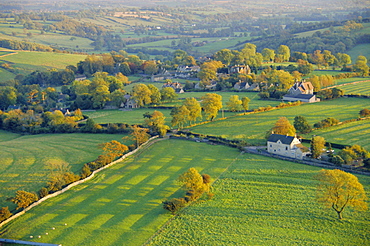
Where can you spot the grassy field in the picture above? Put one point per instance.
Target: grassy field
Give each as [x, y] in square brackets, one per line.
[118, 116]
[122, 204]
[357, 132]
[264, 201]
[24, 159]
[253, 127]
[44, 59]
[362, 88]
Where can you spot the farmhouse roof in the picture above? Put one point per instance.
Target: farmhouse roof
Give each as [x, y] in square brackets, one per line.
[284, 139]
[301, 96]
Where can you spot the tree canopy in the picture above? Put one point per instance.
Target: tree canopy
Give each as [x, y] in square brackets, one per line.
[339, 189]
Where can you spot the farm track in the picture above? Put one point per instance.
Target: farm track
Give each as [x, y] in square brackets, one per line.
[14, 53]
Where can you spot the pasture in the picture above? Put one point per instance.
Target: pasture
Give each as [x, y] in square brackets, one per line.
[252, 127]
[361, 88]
[43, 59]
[122, 204]
[357, 132]
[130, 117]
[264, 201]
[25, 158]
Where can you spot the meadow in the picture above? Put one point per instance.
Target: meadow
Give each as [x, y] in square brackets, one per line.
[130, 117]
[25, 158]
[357, 132]
[362, 88]
[43, 59]
[122, 204]
[264, 201]
[252, 127]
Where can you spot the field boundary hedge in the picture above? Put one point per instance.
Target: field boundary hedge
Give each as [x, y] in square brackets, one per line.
[75, 183]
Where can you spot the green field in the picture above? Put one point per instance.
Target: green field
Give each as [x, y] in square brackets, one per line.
[264, 201]
[362, 88]
[253, 127]
[24, 159]
[357, 132]
[131, 117]
[44, 59]
[122, 204]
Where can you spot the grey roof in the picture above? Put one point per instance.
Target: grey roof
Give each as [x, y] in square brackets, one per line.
[300, 96]
[283, 138]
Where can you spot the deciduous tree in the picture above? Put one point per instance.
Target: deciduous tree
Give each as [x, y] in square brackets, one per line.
[283, 127]
[141, 94]
[301, 125]
[23, 199]
[338, 190]
[113, 148]
[234, 104]
[156, 123]
[139, 135]
[180, 115]
[245, 103]
[195, 110]
[317, 146]
[211, 104]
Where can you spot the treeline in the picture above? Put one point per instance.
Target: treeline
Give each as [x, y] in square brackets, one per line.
[54, 122]
[22, 45]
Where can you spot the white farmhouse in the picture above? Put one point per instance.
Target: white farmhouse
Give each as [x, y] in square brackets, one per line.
[286, 146]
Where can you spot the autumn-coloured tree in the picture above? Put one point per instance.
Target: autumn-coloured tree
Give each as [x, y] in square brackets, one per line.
[211, 104]
[180, 116]
[317, 146]
[283, 127]
[23, 198]
[339, 189]
[156, 123]
[113, 148]
[139, 135]
[193, 182]
[142, 94]
[195, 110]
[4, 213]
[245, 103]
[234, 104]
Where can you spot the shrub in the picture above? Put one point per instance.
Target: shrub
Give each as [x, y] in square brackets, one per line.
[43, 192]
[364, 112]
[4, 213]
[23, 199]
[174, 205]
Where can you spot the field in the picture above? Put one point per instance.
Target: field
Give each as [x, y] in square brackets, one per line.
[123, 203]
[362, 88]
[253, 127]
[263, 201]
[357, 132]
[25, 62]
[118, 116]
[24, 159]
[44, 59]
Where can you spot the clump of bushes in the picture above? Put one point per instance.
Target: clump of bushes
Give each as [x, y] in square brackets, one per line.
[195, 186]
[326, 123]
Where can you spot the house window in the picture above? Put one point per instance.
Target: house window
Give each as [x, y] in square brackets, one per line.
[270, 145]
[286, 148]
